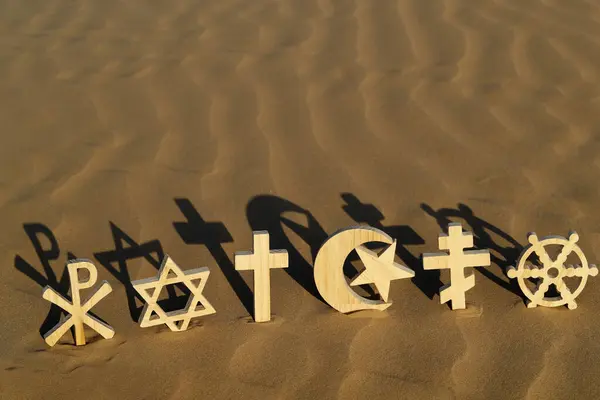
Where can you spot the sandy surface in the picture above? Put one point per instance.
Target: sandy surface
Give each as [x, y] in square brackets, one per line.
[132, 129]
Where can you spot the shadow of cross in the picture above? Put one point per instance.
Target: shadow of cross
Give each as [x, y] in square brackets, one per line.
[261, 260]
[427, 281]
[504, 249]
[456, 260]
[212, 234]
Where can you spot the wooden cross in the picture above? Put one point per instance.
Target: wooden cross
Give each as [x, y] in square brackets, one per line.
[456, 260]
[261, 259]
[79, 312]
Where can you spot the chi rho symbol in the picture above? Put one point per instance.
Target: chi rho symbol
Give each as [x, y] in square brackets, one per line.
[78, 312]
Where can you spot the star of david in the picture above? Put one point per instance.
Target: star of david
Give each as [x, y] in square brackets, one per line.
[169, 274]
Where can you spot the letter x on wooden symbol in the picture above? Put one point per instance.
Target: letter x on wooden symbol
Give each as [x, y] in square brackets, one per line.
[78, 312]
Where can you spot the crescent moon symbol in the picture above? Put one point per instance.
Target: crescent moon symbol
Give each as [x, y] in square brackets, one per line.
[329, 268]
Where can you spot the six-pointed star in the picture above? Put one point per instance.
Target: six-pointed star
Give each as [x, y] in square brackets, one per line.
[168, 274]
[380, 269]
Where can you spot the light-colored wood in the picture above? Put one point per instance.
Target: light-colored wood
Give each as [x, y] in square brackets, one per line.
[552, 272]
[261, 259]
[78, 312]
[456, 259]
[379, 269]
[169, 274]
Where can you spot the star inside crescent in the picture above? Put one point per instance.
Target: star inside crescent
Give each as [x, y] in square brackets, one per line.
[380, 269]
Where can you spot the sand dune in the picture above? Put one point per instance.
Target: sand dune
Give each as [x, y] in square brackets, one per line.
[134, 129]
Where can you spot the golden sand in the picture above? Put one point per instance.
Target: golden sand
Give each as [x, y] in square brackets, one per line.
[132, 129]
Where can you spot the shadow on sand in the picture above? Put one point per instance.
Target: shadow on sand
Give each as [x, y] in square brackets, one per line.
[427, 281]
[485, 236]
[48, 251]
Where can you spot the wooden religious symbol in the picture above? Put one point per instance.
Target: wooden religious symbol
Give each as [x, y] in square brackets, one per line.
[170, 274]
[79, 315]
[379, 270]
[261, 259]
[552, 272]
[456, 260]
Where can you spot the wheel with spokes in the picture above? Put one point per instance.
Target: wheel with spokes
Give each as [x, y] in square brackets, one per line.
[552, 272]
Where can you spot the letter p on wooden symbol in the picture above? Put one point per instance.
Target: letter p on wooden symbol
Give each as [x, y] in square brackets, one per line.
[456, 260]
[79, 315]
[261, 259]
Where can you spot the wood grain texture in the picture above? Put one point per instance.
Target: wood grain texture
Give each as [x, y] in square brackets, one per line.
[170, 274]
[78, 312]
[379, 269]
[552, 272]
[456, 259]
[261, 260]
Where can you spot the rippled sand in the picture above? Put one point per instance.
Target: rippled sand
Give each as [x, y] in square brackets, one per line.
[133, 129]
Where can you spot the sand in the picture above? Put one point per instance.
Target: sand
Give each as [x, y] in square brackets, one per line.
[133, 129]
